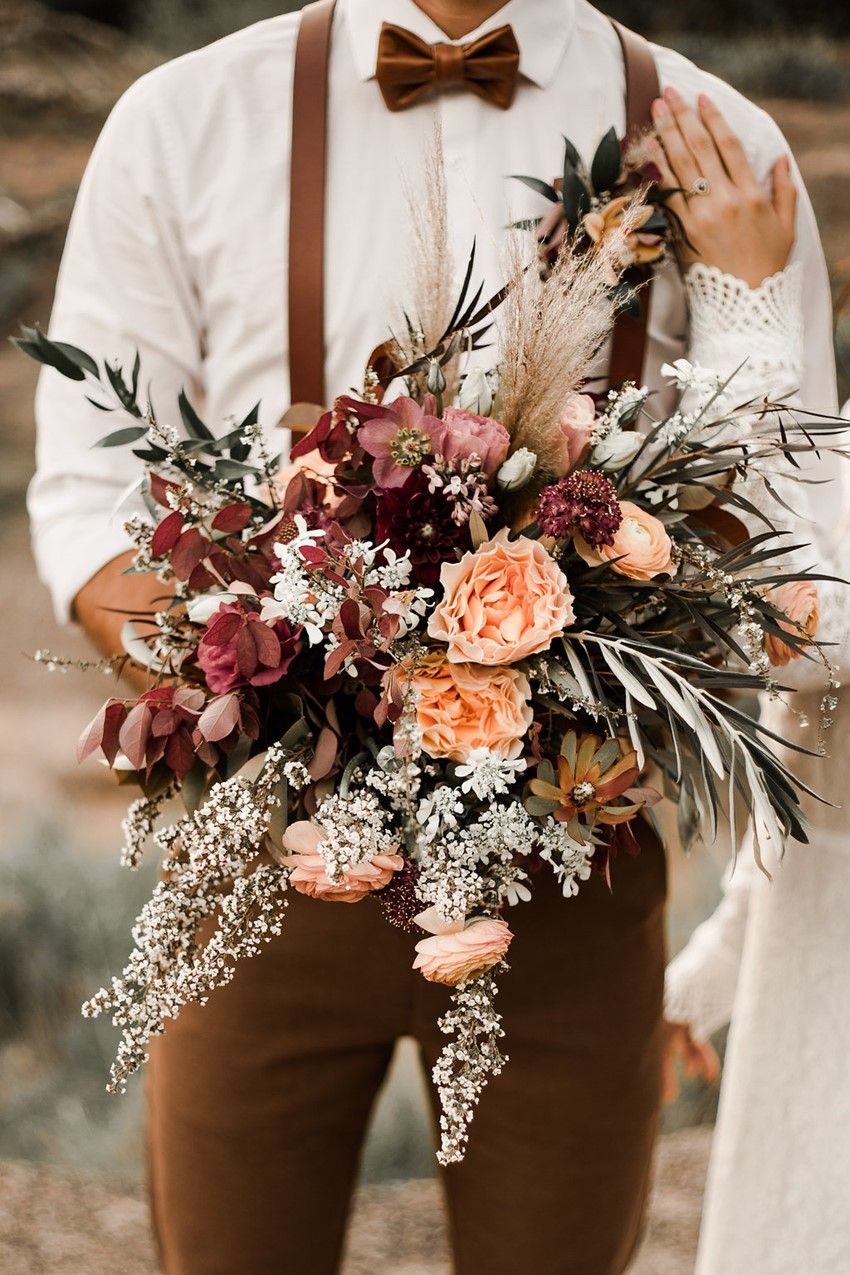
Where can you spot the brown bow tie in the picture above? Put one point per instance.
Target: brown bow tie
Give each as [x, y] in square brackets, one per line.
[409, 67]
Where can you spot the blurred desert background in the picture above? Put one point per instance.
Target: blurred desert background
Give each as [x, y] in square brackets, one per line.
[71, 1157]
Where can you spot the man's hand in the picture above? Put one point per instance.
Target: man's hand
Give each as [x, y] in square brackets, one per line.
[104, 604]
[697, 1059]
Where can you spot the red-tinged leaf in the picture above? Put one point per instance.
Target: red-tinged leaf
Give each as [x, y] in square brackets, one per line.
[267, 643]
[325, 754]
[366, 702]
[115, 714]
[160, 487]
[189, 699]
[190, 550]
[179, 753]
[200, 579]
[155, 750]
[333, 717]
[232, 518]
[158, 696]
[133, 735]
[92, 737]
[246, 652]
[297, 494]
[165, 722]
[314, 554]
[255, 572]
[354, 618]
[223, 628]
[337, 658]
[250, 722]
[219, 718]
[167, 532]
[207, 752]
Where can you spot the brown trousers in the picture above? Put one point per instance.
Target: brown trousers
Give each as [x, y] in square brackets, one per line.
[258, 1102]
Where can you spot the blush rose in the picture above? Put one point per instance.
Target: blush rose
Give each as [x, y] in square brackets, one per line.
[464, 433]
[575, 427]
[502, 603]
[309, 873]
[460, 707]
[641, 546]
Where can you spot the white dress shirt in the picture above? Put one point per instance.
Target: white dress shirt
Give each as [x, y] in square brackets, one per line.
[178, 240]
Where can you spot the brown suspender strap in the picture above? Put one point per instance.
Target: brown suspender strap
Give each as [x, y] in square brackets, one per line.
[307, 205]
[628, 349]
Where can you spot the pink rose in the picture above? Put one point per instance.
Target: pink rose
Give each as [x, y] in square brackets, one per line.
[576, 425]
[458, 954]
[464, 706]
[798, 600]
[240, 649]
[309, 873]
[502, 603]
[640, 543]
[464, 433]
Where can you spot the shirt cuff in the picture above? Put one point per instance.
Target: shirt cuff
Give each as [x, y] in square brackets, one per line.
[69, 551]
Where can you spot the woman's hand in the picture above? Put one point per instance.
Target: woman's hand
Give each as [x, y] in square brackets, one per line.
[697, 1059]
[733, 224]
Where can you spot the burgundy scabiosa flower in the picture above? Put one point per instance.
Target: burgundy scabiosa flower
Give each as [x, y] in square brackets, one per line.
[413, 518]
[585, 501]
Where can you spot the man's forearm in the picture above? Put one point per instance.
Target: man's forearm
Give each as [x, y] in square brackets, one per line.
[104, 604]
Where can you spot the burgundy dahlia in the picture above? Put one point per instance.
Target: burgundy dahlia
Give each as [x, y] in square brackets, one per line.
[585, 501]
[415, 519]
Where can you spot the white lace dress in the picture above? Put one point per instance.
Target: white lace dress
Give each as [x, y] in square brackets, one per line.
[774, 955]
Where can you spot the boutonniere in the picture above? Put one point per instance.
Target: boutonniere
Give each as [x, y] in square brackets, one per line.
[591, 201]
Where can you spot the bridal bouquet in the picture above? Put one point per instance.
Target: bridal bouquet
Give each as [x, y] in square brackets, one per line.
[470, 631]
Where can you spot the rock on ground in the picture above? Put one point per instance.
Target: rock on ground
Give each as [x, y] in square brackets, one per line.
[58, 1224]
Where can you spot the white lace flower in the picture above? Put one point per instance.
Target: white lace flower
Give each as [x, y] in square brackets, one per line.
[487, 774]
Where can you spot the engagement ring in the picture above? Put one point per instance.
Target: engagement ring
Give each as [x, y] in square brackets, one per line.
[701, 186]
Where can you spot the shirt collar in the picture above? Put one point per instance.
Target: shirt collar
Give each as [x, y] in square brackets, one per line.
[542, 30]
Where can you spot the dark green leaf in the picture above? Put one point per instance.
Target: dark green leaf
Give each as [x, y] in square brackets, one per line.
[542, 188]
[607, 163]
[571, 155]
[192, 422]
[123, 436]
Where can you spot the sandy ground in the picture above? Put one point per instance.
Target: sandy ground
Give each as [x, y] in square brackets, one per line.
[55, 1224]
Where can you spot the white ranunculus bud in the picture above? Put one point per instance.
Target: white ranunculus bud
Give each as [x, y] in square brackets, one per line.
[475, 393]
[517, 469]
[205, 605]
[617, 450]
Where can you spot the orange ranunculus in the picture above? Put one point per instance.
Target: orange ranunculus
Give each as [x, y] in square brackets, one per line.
[460, 707]
[309, 872]
[798, 601]
[502, 603]
[641, 546]
[458, 954]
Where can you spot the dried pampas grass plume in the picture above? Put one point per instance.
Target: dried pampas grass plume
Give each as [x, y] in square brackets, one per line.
[550, 332]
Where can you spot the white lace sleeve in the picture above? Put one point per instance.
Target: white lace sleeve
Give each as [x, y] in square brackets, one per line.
[760, 328]
[700, 984]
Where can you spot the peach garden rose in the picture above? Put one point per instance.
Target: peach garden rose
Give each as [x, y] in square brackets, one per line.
[309, 873]
[460, 707]
[507, 600]
[798, 600]
[640, 545]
